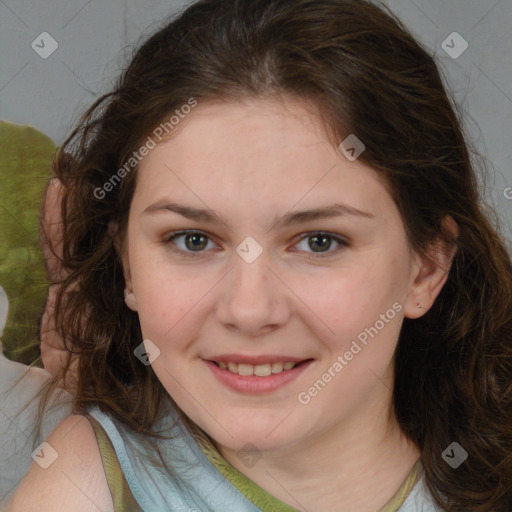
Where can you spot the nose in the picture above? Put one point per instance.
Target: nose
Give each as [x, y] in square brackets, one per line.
[254, 300]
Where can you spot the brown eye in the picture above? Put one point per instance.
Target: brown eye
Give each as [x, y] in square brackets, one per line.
[188, 242]
[195, 241]
[320, 243]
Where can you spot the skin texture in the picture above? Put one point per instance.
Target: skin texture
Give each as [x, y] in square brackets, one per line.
[252, 162]
[76, 479]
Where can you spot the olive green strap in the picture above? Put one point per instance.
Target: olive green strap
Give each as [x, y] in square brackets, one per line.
[253, 492]
[124, 500]
[119, 489]
[400, 496]
[267, 502]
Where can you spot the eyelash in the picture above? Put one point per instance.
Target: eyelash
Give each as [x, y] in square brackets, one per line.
[176, 234]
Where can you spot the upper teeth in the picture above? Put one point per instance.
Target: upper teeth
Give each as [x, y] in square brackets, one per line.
[260, 370]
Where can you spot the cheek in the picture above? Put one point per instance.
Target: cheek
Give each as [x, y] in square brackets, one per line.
[354, 302]
[168, 305]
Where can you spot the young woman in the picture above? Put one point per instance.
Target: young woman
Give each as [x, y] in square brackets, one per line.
[283, 286]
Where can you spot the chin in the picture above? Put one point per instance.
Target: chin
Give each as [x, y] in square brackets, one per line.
[253, 433]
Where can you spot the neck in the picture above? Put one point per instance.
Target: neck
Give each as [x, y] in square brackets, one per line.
[359, 463]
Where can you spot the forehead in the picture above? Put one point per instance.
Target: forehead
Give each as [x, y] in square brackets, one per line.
[266, 153]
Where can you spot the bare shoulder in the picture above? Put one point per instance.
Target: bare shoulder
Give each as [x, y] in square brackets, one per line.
[67, 473]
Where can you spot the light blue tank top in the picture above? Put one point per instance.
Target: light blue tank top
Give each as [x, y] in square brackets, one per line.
[195, 484]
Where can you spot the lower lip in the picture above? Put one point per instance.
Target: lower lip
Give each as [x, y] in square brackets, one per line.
[251, 384]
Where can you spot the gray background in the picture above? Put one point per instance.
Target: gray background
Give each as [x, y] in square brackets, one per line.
[95, 40]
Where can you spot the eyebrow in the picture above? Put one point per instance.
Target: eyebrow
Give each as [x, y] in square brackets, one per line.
[296, 217]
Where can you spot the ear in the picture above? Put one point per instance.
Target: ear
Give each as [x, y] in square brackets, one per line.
[122, 251]
[129, 296]
[130, 299]
[431, 273]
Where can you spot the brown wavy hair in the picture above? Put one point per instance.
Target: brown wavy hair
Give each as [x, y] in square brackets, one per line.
[364, 72]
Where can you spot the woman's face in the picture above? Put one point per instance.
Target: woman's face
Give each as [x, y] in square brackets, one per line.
[254, 286]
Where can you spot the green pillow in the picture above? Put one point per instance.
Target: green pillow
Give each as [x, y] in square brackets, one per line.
[25, 169]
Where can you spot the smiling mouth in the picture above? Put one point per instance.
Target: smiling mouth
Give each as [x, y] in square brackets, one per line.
[258, 370]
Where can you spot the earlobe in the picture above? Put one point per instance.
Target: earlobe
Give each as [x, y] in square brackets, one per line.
[431, 274]
[130, 299]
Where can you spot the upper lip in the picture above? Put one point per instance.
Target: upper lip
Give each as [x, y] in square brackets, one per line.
[255, 360]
